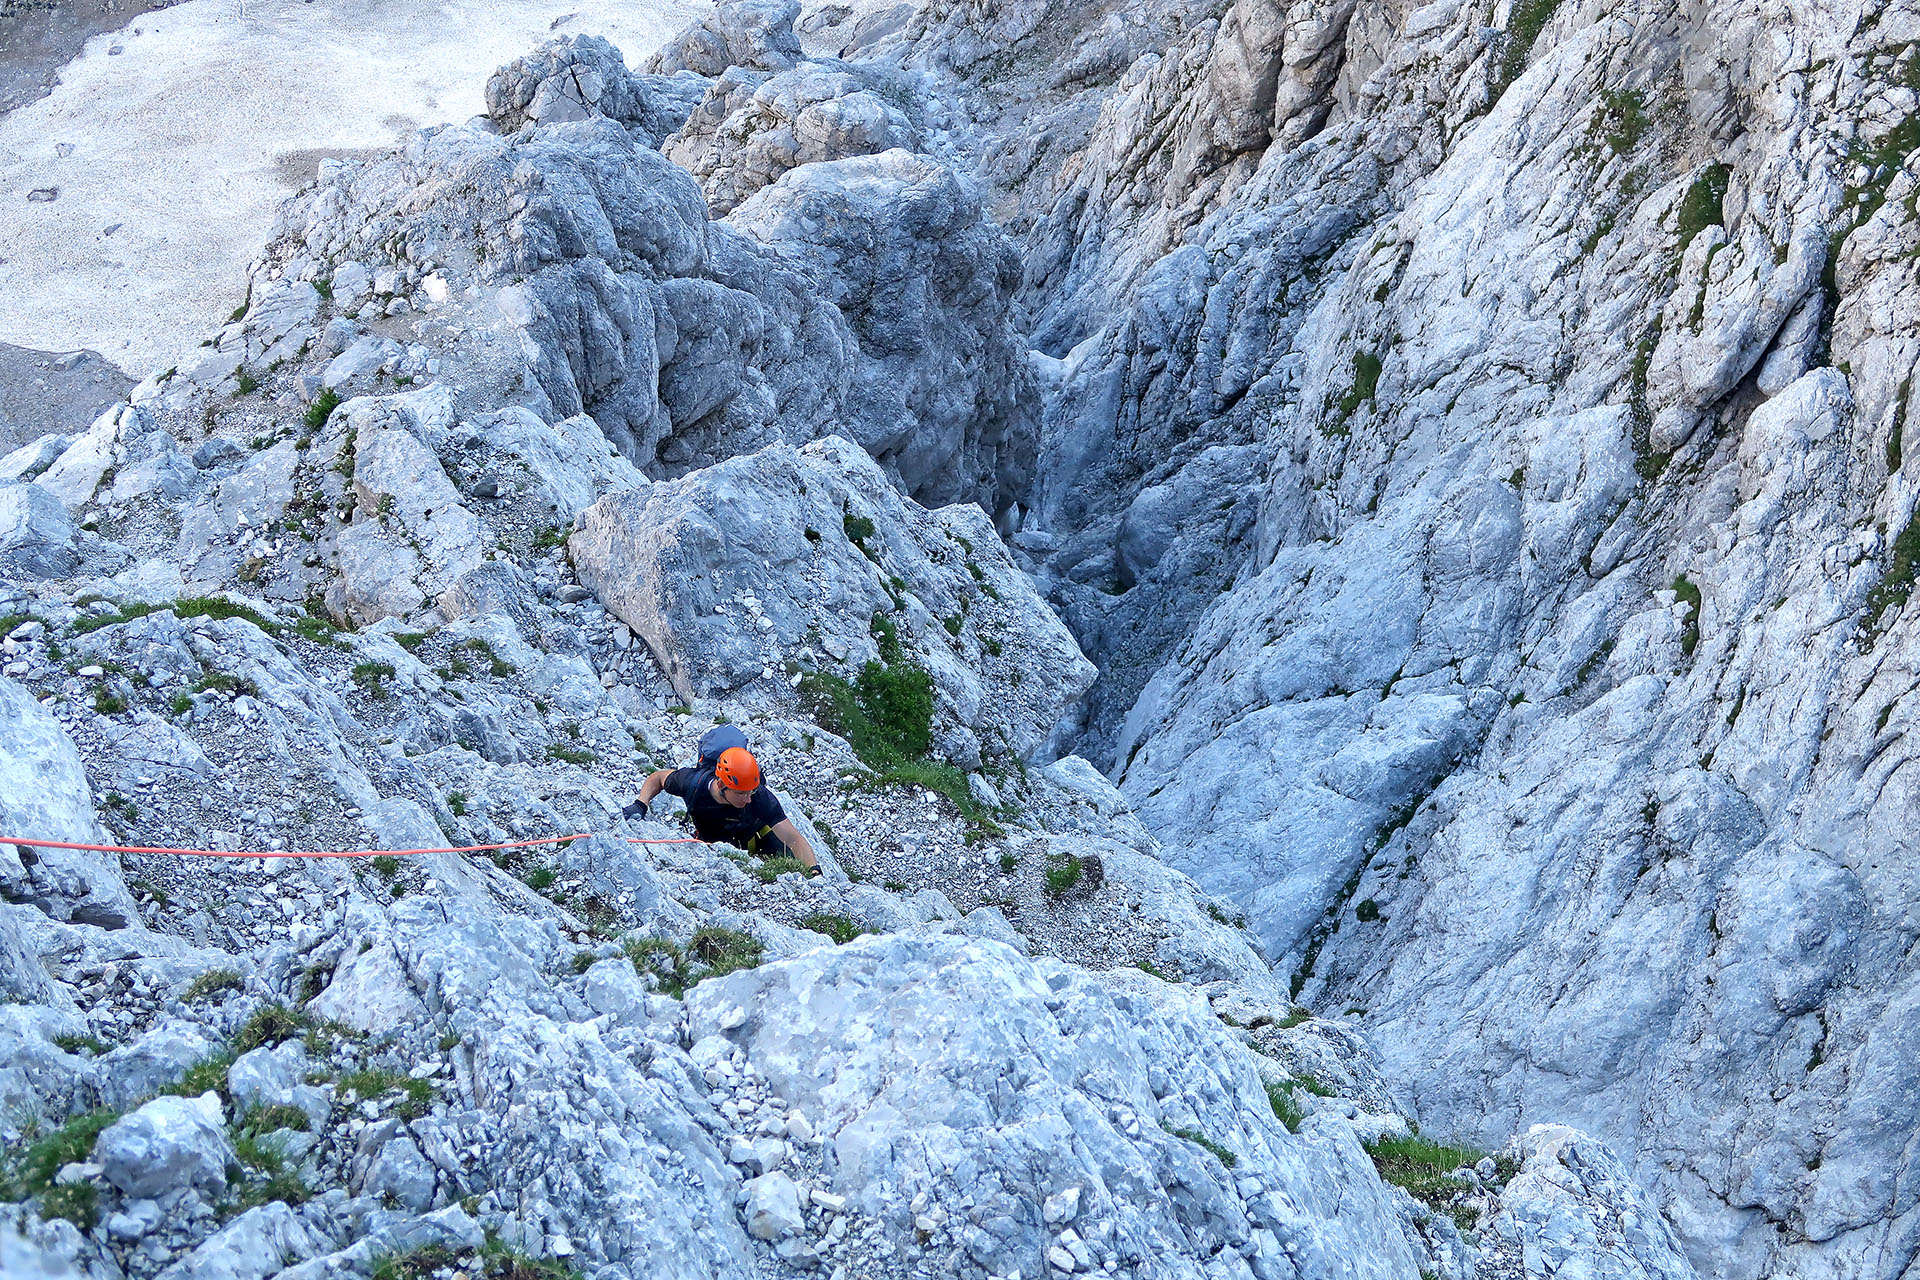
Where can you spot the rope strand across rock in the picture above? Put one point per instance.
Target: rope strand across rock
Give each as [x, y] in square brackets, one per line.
[340, 853]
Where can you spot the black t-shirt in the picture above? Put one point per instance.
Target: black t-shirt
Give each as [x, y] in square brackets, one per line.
[718, 821]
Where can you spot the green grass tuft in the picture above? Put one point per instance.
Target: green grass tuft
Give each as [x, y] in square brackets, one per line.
[377, 1082]
[841, 929]
[1897, 583]
[1286, 1105]
[1064, 871]
[711, 952]
[270, 1026]
[321, 409]
[1421, 1167]
[1701, 207]
[212, 983]
[77, 1202]
[1690, 625]
[1200, 1139]
[33, 1171]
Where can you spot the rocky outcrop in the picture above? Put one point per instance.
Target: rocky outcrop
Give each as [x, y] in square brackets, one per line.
[754, 126]
[756, 35]
[686, 342]
[45, 797]
[579, 78]
[738, 573]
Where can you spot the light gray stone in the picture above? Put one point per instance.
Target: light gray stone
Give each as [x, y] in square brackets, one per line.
[37, 536]
[168, 1145]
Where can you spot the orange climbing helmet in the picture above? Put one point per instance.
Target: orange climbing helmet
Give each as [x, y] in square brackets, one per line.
[737, 769]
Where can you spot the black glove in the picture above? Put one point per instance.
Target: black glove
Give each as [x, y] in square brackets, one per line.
[638, 809]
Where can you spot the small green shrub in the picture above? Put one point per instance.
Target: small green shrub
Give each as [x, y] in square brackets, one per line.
[1286, 1105]
[1897, 583]
[1624, 119]
[1524, 24]
[1200, 1139]
[212, 983]
[1702, 206]
[1367, 911]
[858, 529]
[1421, 1167]
[571, 754]
[321, 409]
[1366, 381]
[1064, 871]
[541, 878]
[244, 382]
[457, 803]
[369, 676]
[77, 1202]
[387, 865]
[1008, 861]
[180, 703]
[107, 702]
[839, 928]
[1689, 595]
[270, 1026]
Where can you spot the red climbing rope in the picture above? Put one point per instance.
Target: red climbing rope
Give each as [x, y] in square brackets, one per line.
[345, 853]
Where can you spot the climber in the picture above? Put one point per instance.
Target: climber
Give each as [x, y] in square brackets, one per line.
[729, 805]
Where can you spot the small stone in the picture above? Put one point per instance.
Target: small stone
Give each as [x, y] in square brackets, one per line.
[1062, 1206]
[773, 1207]
[43, 195]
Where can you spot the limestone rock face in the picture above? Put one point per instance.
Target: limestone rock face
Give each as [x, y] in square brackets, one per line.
[755, 34]
[809, 555]
[44, 796]
[167, 1143]
[1118, 1063]
[1482, 552]
[36, 534]
[685, 341]
[941, 393]
[753, 126]
[577, 78]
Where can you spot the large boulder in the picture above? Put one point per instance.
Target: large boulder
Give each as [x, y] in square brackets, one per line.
[1115, 1077]
[757, 34]
[44, 796]
[579, 77]
[753, 126]
[37, 536]
[167, 1145]
[809, 556]
[943, 393]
